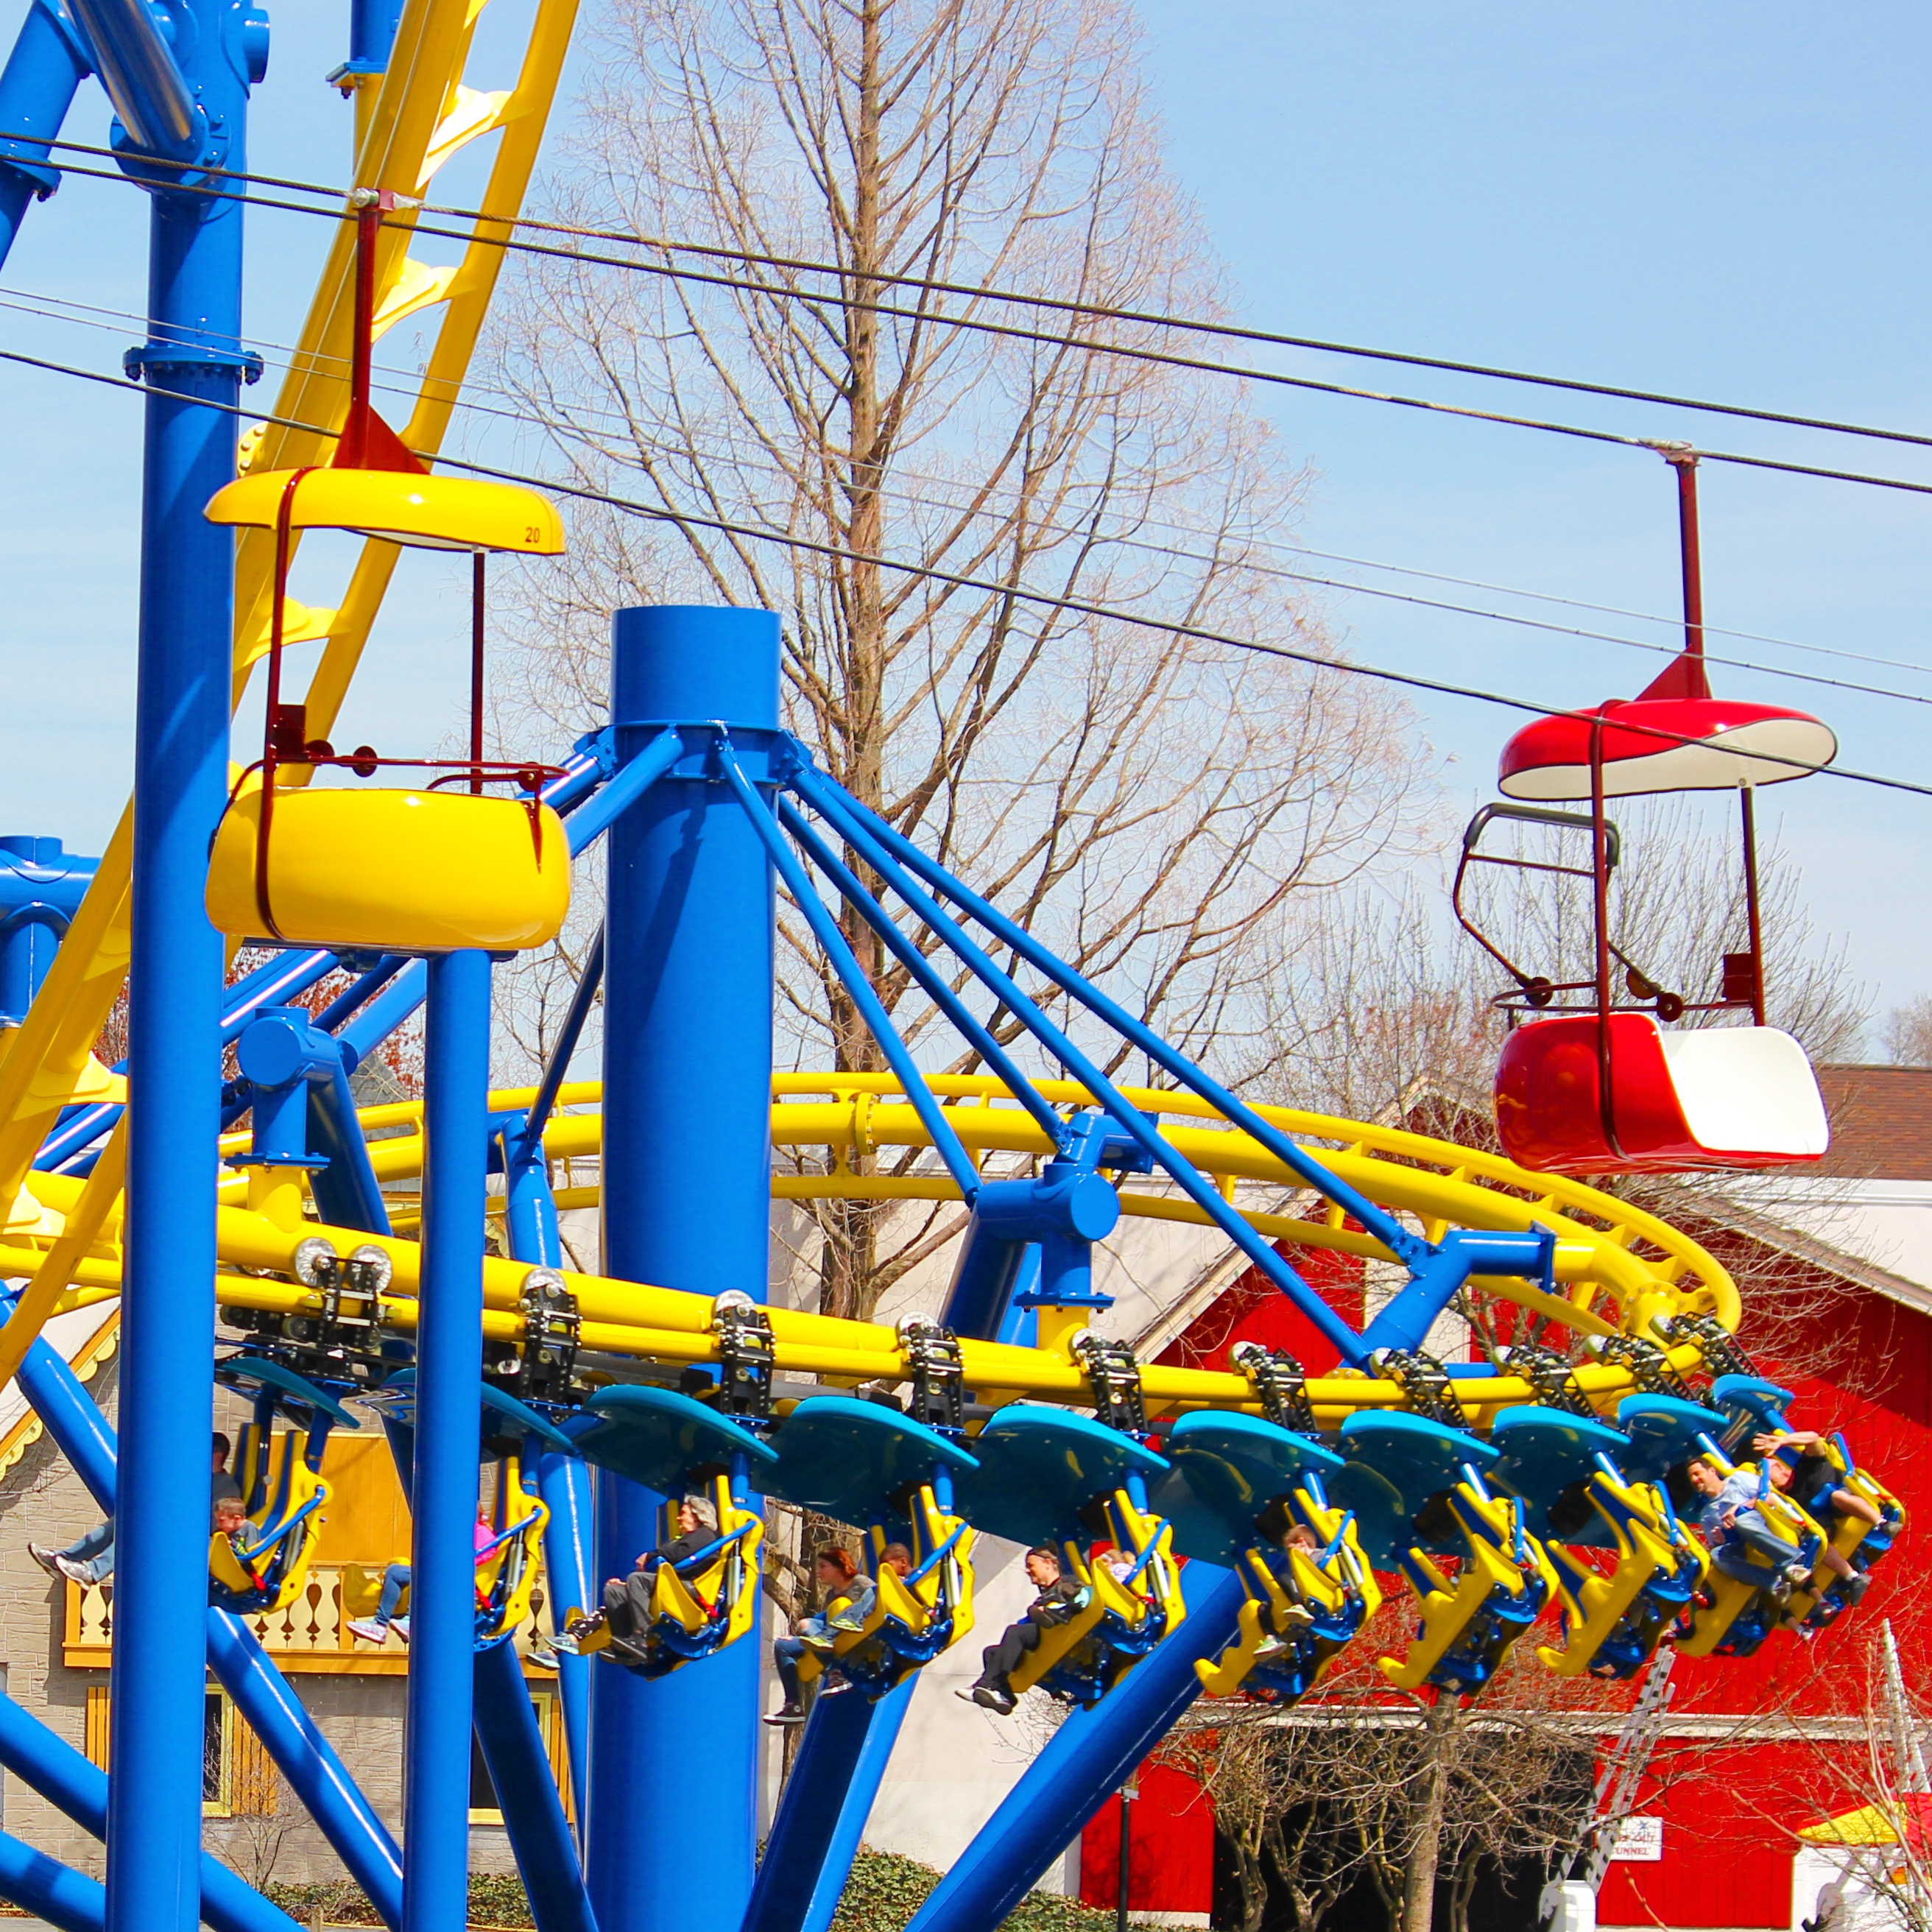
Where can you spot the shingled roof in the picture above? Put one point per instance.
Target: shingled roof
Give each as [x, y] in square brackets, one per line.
[1881, 1122]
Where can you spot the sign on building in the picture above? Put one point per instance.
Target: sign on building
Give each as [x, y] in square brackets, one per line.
[1638, 1841]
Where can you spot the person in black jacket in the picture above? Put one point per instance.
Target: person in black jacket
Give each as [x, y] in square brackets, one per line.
[627, 1600]
[1809, 1478]
[1059, 1597]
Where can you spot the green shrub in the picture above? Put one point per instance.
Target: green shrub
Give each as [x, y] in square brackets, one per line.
[885, 1890]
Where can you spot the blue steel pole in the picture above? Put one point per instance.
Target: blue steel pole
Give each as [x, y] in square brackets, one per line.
[40, 889]
[49, 1889]
[193, 367]
[821, 1819]
[519, 1765]
[449, 1381]
[673, 1811]
[563, 1481]
[52, 1766]
[569, 1543]
[43, 74]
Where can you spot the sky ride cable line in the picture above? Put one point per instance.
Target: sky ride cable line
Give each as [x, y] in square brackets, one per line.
[1123, 540]
[1657, 445]
[1060, 305]
[1078, 606]
[47, 307]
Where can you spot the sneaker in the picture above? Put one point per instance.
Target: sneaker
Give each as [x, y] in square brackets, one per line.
[74, 1572]
[48, 1559]
[1856, 1586]
[401, 1627]
[1798, 1573]
[543, 1655]
[369, 1631]
[995, 1698]
[787, 1713]
[1298, 1613]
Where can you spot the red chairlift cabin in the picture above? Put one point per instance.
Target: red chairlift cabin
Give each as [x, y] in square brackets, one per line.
[1601, 1086]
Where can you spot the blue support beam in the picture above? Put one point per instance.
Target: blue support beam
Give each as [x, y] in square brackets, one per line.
[188, 101]
[829, 1796]
[291, 1737]
[43, 74]
[564, 1483]
[41, 887]
[49, 1889]
[514, 1751]
[69, 1783]
[520, 1770]
[449, 1398]
[1086, 1760]
[672, 1830]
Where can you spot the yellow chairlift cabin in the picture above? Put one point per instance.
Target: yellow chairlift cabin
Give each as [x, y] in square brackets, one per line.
[430, 869]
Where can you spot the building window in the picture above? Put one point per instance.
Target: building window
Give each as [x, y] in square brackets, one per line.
[238, 1776]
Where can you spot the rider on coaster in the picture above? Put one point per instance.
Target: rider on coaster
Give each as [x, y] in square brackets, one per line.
[1059, 1597]
[627, 1600]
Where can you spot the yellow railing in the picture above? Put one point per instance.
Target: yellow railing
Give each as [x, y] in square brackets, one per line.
[309, 1637]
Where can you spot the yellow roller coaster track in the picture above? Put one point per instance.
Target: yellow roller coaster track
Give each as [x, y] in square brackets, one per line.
[1620, 1267]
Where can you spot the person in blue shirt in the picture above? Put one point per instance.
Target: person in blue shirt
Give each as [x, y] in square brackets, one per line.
[1742, 1544]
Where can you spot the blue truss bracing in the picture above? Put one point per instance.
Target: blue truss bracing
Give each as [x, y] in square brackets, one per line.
[71, 1784]
[273, 1712]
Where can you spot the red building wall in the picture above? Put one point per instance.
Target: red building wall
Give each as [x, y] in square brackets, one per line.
[1170, 1847]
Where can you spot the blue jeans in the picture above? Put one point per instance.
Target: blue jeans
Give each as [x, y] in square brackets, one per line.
[94, 1552]
[1754, 1538]
[395, 1581]
[786, 1652]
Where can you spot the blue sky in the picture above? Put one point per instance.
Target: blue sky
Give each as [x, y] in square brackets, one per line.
[1722, 200]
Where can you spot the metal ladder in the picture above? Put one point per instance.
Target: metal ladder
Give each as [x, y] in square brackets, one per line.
[1623, 1767]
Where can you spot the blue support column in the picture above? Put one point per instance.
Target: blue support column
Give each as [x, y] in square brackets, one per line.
[449, 1381]
[686, 1186]
[563, 1481]
[41, 887]
[520, 1770]
[193, 366]
[1085, 1759]
[569, 1543]
[52, 1766]
[841, 1761]
[291, 1737]
[49, 1889]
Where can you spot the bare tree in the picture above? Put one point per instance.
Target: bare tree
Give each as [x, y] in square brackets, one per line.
[1908, 1032]
[1156, 808]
